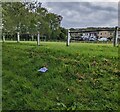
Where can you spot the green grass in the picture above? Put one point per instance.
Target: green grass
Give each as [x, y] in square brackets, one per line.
[80, 77]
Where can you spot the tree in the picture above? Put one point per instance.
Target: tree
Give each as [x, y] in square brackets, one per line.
[54, 21]
[63, 34]
[31, 18]
[37, 23]
[14, 17]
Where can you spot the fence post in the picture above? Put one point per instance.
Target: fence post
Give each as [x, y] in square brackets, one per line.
[18, 37]
[115, 40]
[38, 39]
[3, 38]
[68, 38]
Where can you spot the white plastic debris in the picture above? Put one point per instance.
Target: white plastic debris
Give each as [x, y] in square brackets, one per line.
[44, 69]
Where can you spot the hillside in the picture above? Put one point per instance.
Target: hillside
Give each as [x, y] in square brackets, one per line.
[80, 77]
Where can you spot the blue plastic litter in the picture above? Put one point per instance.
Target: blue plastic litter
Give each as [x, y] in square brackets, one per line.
[44, 69]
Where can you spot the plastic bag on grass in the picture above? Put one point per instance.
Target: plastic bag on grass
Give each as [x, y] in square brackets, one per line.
[44, 69]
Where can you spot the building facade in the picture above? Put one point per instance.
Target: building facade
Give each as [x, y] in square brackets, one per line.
[105, 34]
[95, 33]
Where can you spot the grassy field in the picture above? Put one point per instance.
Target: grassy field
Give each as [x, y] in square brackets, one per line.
[80, 77]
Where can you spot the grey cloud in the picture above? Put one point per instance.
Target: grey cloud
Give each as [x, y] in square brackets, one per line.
[83, 14]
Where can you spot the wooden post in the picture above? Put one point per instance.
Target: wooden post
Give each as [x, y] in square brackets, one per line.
[68, 38]
[38, 39]
[18, 37]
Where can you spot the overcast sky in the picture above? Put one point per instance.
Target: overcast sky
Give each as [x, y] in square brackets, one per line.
[85, 14]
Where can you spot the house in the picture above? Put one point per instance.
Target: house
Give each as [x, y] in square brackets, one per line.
[105, 34]
[93, 33]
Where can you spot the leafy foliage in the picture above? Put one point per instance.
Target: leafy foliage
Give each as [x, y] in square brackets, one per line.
[30, 18]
